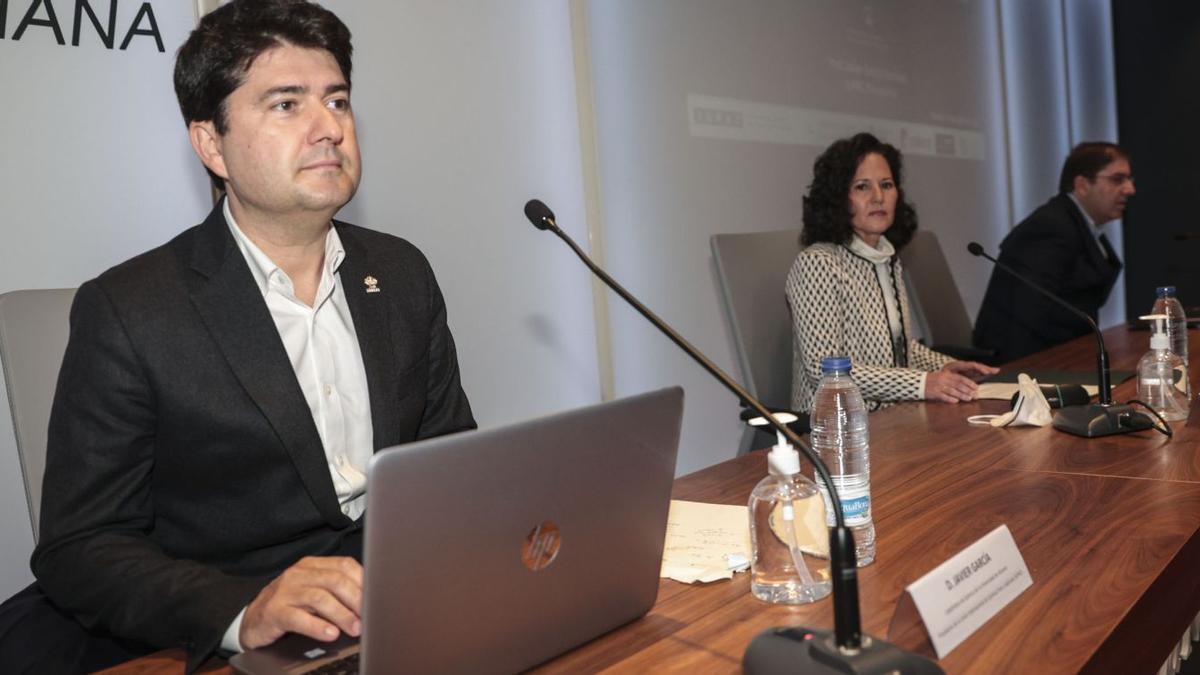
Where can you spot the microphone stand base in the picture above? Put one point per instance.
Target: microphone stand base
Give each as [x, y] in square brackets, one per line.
[1096, 419]
[789, 650]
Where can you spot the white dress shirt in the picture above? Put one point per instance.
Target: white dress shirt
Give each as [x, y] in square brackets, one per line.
[323, 348]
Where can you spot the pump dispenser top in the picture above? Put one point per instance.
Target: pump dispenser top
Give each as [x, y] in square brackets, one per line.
[1159, 338]
[783, 460]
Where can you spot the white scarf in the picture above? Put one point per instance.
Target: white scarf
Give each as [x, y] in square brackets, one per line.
[882, 255]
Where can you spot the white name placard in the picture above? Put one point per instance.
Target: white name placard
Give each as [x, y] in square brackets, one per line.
[960, 595]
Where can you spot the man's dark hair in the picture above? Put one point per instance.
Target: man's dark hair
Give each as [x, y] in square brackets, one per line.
[218, 54]
[827, 204]
[1087, 160]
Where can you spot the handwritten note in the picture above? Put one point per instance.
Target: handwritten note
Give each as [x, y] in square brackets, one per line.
[705, 542]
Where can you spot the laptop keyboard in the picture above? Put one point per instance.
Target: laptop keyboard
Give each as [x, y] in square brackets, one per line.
[347, 665]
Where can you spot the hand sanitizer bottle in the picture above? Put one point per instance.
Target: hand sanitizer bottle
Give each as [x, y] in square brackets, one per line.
[788, 535]
[1177, 330]
[1162, 375]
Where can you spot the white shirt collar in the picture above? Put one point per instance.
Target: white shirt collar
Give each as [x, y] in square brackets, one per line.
[1093, 228]
[1082, 210]
[262, 268]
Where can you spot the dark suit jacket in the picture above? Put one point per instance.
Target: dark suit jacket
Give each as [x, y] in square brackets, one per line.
[1054, 248]
[184, 470]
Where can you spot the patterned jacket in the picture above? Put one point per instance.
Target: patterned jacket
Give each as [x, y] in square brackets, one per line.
[838, 309]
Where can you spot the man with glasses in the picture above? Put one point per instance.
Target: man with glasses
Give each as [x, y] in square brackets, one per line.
[1059, 246]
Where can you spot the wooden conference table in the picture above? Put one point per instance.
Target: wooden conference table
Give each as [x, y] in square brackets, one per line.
[1109, 527]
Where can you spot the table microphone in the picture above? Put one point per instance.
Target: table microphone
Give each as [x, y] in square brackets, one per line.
[1089, 420]
[791, 649]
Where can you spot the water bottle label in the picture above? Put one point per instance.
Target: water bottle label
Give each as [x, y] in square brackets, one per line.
[856, 505]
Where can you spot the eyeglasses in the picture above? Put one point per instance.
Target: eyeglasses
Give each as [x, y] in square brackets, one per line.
[1117, 179]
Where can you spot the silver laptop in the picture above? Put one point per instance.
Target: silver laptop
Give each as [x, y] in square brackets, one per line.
[493, 551]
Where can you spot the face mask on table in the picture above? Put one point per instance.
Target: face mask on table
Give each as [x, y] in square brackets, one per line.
[1031, 408]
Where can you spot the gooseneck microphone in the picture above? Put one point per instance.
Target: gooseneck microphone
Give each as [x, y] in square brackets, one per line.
[1093, 419]
[794, 649]
[1102, 354]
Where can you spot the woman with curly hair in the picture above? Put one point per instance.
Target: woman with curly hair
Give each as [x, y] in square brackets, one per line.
[846, 289]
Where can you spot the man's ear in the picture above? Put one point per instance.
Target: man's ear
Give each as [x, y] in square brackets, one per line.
[207, 144]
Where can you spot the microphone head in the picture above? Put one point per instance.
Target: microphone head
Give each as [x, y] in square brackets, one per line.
[539, 214]
[973, 248]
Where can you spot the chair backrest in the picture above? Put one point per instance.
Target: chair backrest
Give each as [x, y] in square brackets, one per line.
[33, 336]
[939, 308]
[752, 269]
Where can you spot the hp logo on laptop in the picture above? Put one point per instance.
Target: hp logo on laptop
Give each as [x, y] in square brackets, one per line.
[541, 546]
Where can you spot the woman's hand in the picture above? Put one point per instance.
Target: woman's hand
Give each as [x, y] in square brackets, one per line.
[956, 381]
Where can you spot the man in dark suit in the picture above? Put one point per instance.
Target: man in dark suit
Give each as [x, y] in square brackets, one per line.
[1060, 247]
[221, 395]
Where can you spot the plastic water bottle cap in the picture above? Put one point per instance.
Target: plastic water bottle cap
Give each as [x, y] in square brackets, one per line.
[835, 364]
[1164, 291]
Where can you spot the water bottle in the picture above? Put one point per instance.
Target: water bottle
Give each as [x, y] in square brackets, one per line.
[1162, 374]
[789, 542]
[839, 436]
[1168, 304]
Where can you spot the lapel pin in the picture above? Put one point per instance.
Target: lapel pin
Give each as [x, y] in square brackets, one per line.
[372, 284]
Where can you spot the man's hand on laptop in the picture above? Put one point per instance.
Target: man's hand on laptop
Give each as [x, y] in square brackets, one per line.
[318, 597]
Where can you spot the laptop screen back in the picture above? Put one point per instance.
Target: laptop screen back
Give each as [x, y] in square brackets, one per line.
[495, 550]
